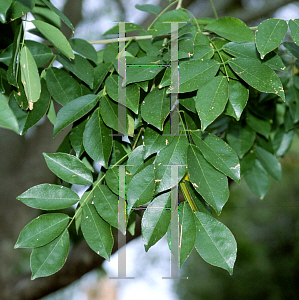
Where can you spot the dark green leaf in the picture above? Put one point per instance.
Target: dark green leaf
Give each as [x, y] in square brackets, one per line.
[19, 8]
[258, 180]
[84, 48]
[294, 27]
[74, 110]
[208, 182]
[4, 6]
[69, 168]
[150, 8]
[97, 139]
[232, 29]
[211, 100]
[269, 35]
[155, 220]
[7, 118]
[62, 86]
[254, 73]
[42, 230]
[49, 197]
[135, 161]
[247, 162]
[129, 27]
[100, 72]
[293, 48]
[79, 67]
[50, 258]
[259, 125]
[96, 232]
[214, 242]
[54, 36]
[269, 162]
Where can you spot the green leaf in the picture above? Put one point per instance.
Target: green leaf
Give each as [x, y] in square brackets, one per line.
[131, 93]
[294, 28]
[211, 100]
[129, 27]
[96, 232]
[7, 118]
[143, 69]
[214, 242]
[156, 107]
[84, 48]
[248, 50]
[283, 141]
[60, 14]
[19, 8]
[258, 180]
[106, 204]
[237, 99]
[100, 72]
[259, 125]
[293, 48]
[269, 35]
[269, 162]
[219, 154]
[155, 220]
[4, 6]
[76, 138]
[97, 139]
[54, 36]
[42, 230]
[30, 76]
[40, 52]
[141, 188]
[187, 232]
[240, 138]
[50, 258]
[49, 197]
[150, 8]
[135, 161]
[193, 74]
[232, 29]
[175, 153]
[45, 14]
[247, 162]
[79, 67]
[155, 141]
[207, 181]
[62, 86]
[254, 73]
[51, 114]
[74, 110]
[69, 168]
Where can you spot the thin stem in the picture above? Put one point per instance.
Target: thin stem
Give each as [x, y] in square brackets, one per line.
[193, 18]
[221, 60]
[90, 194]
[136, 141]
[214, 9]
[179, 6]
[161, 13]
[127, 38]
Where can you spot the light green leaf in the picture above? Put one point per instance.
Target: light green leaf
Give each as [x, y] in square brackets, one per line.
[80, 67]
[240, 138]
[258, 180]
[42, 230]
[155, 220]
[29, 76]
[208, 182]
[49, 197]
[187, 232]
[7, 118]
[69, 168]
[175, 153]
[54, 36]
[156, 107]
[294, 28]
[141, 188]
[106, 204]
[254, 73]
[269, 35]
[4, 6]
[60, 14]
[74, 110]
[50, 258]
[45, 14]
[84, 48]
[232, 29]
[132, 92]
[62, 86]
[96, 232]
[219, 154]
[215, 243]
[211, 100]
[40, 52]
[150, 8]
[237, 99]
[97, 139]
[269, 162]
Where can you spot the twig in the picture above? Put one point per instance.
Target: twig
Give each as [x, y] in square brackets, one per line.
[179, 6]
[214, 9]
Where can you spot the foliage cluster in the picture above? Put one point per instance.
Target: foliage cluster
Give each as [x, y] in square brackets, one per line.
[238, 97]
